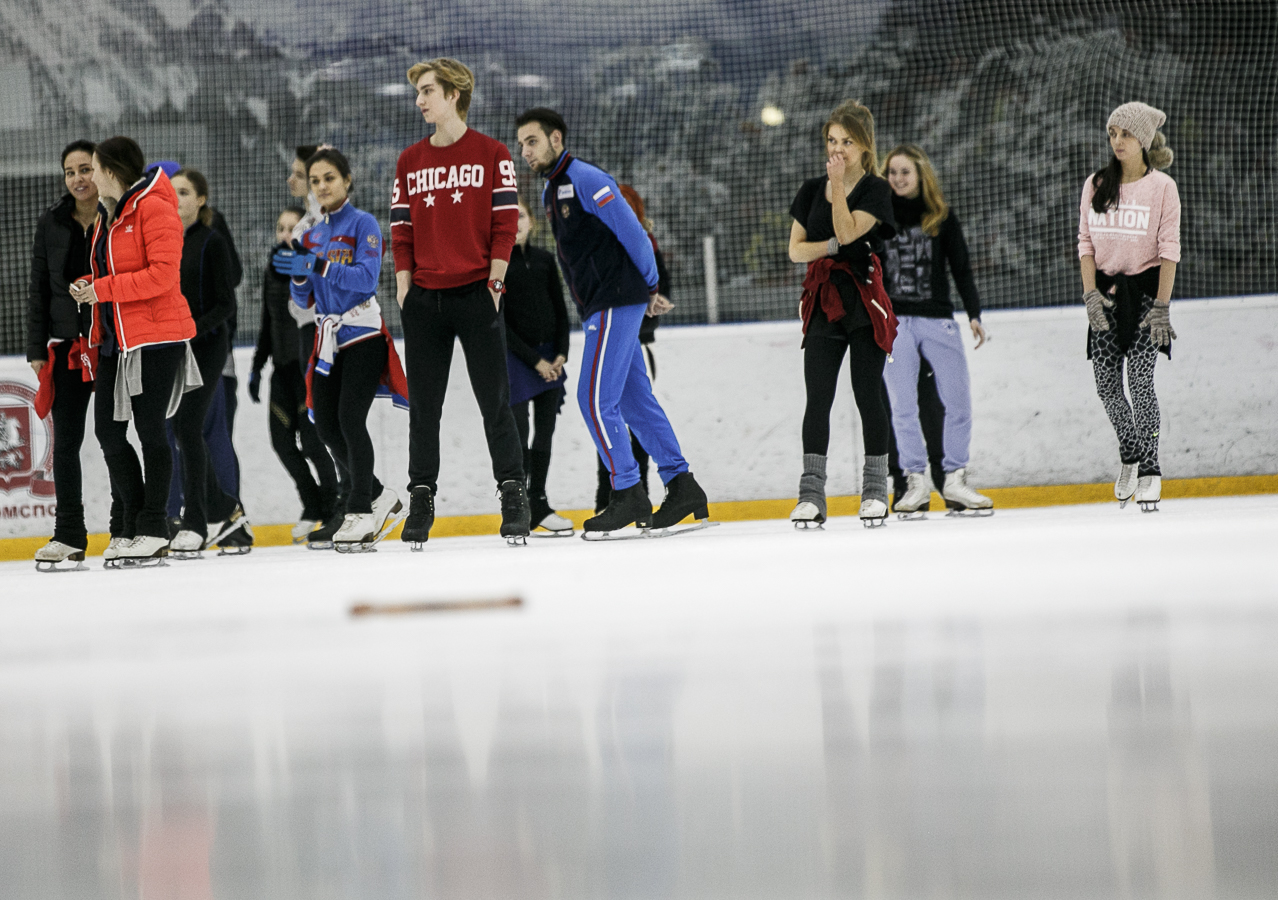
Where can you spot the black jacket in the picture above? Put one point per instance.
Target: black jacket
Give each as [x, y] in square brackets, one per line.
[206, 280]
[59, 255]
[914, 265]
[278, 338]
[535, 309]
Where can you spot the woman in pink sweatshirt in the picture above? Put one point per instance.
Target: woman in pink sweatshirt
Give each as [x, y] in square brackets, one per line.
[1128, 247]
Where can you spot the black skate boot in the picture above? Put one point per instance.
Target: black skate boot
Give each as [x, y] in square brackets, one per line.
[237, 542]
[421, 516]
[684, 497]
[630, 506]
[322, 537]
[515, 515]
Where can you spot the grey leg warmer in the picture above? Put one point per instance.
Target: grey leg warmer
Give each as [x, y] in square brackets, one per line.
[812, 482]
[874, 479]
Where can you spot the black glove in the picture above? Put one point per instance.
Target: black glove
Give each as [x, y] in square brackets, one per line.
[255, 385]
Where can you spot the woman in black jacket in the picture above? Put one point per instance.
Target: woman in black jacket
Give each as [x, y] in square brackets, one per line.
[57, 344]
[207, 286]
[287, 337]
[537, 348]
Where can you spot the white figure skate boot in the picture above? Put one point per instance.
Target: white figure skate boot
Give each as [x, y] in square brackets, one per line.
[918, 495]
[956, 491]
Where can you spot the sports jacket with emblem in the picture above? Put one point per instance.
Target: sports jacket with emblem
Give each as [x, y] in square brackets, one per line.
[605, 254]
[351, 241]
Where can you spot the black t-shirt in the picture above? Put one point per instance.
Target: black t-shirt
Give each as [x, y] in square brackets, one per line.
[811, 210]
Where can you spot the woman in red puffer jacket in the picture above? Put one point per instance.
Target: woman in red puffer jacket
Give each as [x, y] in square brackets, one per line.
[141, 324]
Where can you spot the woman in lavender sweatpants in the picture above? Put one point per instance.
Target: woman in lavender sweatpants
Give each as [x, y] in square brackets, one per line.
[929, 239]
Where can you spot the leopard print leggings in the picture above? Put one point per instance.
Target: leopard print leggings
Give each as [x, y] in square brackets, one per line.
[1137, 424]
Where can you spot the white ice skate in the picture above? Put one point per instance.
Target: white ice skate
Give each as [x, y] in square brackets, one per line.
[917, 497]
[145, 551]
[187, 544]
[1125, 486]
[358, 534]
[807, 515]
[56, 556]
[387, 512]
[303, 528]
[970, 504]
[554, 525]
[1149, 490]
[873, 513]
[111, 555]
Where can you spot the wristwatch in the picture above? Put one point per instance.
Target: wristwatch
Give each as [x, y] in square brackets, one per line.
[497, 286]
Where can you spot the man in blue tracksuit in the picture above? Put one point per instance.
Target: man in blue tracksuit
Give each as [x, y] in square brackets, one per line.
[608, 263]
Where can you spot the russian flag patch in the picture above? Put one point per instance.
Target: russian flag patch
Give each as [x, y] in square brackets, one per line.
[603, 196]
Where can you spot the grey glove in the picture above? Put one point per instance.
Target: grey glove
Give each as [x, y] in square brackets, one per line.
[1158, 321]
[1096, 304]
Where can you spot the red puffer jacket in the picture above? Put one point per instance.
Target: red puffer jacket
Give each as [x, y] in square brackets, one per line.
[137, 268]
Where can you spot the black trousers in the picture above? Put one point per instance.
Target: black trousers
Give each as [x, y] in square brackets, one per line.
[545, 409]
[823, 354]
[932, 421]
[71, 396]
[142, 499]
[341, 400]
[432, 320]
[188, 427]
[289, 425]
[603, 486]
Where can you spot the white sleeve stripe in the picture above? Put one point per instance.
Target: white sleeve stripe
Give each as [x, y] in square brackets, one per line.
[599, 193]
[399, 206]
[397, 224]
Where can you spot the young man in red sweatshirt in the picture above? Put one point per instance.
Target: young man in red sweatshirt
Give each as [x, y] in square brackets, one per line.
[454, 211]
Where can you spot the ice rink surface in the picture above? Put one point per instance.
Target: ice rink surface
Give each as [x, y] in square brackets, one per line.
[1074, 702]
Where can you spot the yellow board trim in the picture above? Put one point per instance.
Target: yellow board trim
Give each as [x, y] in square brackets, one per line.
[752, 510]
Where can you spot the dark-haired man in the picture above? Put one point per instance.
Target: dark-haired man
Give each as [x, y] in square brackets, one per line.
[611, 270]
[454, 212]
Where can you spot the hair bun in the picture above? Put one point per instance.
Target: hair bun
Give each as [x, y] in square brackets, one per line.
[1160, 155]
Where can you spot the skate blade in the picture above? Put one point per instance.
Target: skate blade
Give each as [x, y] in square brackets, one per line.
[516, 540]
[970, 513]
[417, 546]
[917, 515]
[354, 546]
[186, 555]
[44, 565]
[679, 529]
[547, 533]
[874, 521]
[808, 525]
[621, 534]
[1148, 506]
[150, 562]
[234, 551]
[1122, 502]
[319, 545]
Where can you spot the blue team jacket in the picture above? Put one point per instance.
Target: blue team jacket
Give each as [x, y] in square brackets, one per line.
[351, 240]
[605, 254]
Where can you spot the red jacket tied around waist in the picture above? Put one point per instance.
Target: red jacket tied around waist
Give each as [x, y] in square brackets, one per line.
[817, 288]
[140, 279]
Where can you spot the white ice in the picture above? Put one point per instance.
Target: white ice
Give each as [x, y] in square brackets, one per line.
[1067, 702]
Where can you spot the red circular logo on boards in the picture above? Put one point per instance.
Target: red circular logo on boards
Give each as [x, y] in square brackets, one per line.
[26, 443]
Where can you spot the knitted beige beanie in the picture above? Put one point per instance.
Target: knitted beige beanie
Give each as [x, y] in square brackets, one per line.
[1140, 119]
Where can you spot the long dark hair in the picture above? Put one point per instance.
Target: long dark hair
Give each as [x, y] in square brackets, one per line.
[1106, 181]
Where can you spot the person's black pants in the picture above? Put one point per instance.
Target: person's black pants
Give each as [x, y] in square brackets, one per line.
[142, 500]
[603, 487]
[432, 320]
[932, 420]
[536, 457]
[341, 400]
[71, 396]
[188, 426]
[288, 424]
[822, 358]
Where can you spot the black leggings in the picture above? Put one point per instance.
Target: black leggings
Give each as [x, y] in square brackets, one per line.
[188, 426]
[822, 358]
[289, 423]
[545, 409]
[71, 396]
[142, 501]
[341, 400]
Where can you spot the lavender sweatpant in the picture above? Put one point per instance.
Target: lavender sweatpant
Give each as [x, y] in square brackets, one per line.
[941, 342]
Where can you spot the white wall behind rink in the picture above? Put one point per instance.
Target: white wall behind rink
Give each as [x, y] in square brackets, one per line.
[735, 396]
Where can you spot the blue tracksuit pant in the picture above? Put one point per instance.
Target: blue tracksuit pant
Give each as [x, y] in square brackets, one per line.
[614, 392]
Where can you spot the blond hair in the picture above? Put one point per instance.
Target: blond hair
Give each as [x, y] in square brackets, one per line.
[935, 209]
[533, 224]
[858, 122]
[453, 76]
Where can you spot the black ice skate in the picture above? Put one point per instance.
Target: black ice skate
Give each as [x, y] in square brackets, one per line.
[627, 507]
[218, 531]
[238, 541]
[515, 515]
[545, 521]
[684, 497]
[322, 537]
[421, 516]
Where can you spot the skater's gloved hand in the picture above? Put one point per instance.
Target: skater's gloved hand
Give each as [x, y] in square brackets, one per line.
[1096, 304]
[255, 385]
[298, 262]
[1158, 321]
